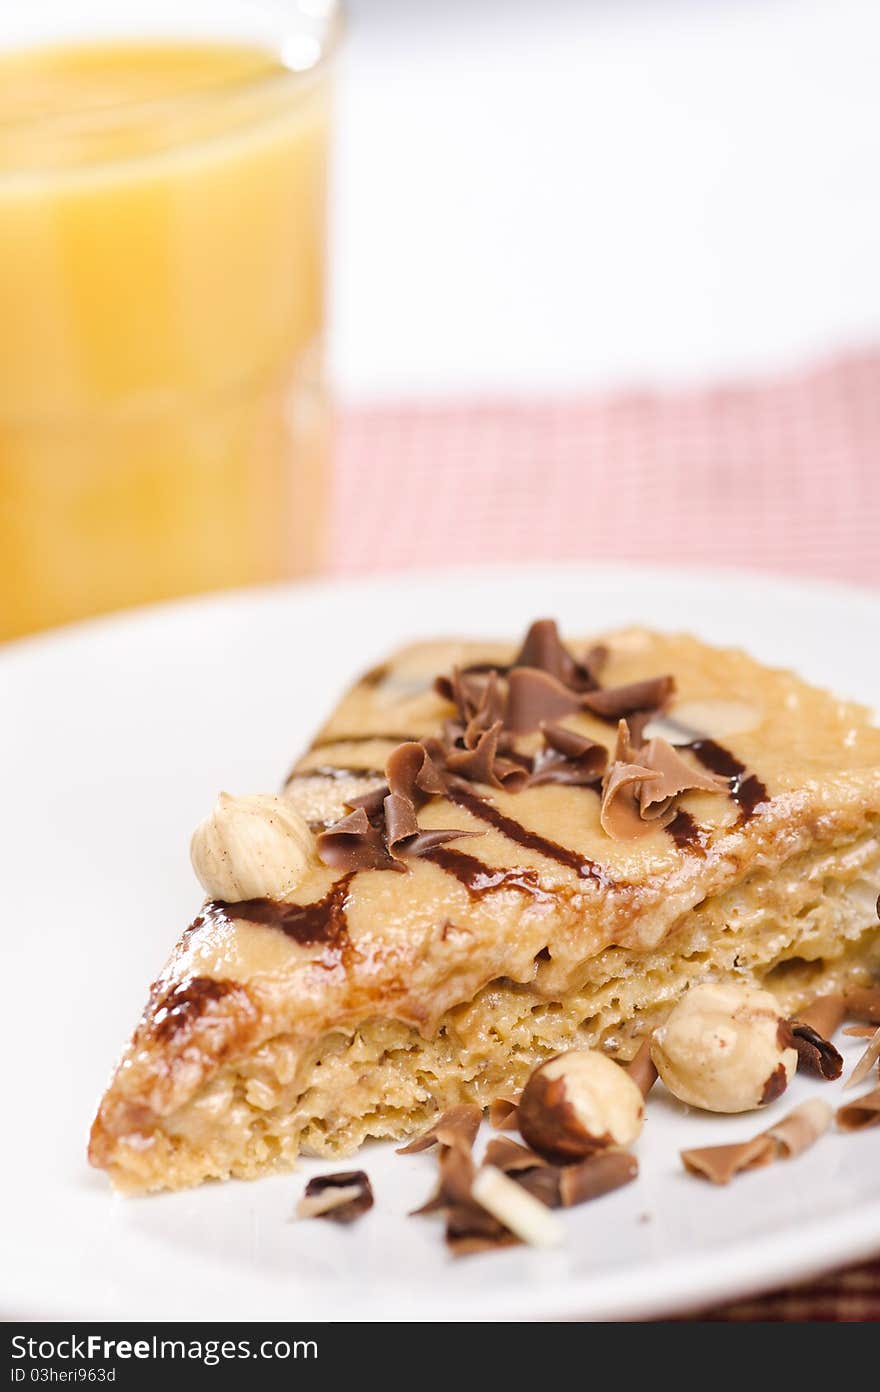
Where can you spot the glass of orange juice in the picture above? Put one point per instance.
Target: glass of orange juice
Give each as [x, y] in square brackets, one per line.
[163, 427]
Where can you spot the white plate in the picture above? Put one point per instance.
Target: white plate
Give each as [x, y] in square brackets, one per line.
[115, 738]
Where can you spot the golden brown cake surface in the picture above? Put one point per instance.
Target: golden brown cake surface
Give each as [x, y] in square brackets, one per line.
[392, 994]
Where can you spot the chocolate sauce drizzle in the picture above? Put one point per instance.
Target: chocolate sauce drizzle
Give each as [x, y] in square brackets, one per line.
[479, 879]
[185, 1003]
[487, 812]
[307, 924]
[746, 788]
[686, 833]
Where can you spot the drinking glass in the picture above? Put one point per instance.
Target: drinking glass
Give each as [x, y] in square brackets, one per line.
[163, 420]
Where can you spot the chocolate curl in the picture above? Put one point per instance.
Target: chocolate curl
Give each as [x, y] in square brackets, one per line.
[627, 746]
[482, 763]
[865, 1063]
[860, 1114]
[612, 702]
[800, 1129]
[676, 776]
[824, 1014]
[457, 1126]
[463, 690]
[382, 827]
[425, 841]
[543, 649]
[373, 802]
[641, 1069]
[562, 1186]
[597, 1175]
[619, 813]
[340, 1197]
[455, 1174]
[542, 1183]
[489, 712]
[401, 822]
[511, 1157]
[412, 773]
[471, 1229]
[534, 697]
[504, 1114]
[355, 844]
[864, 1003]
[816, 1055]
[568, 758]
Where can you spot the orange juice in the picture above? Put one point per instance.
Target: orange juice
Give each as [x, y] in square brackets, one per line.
[162, 221]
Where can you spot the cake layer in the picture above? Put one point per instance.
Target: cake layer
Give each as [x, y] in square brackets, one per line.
[371, 998]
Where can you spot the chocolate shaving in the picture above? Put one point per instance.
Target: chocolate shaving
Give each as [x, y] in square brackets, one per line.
[824, 1014]
[400, 820]
[543, 648]
[412, 773]
[864, 1003]
[866, 1062]
[340, 1197]
[534, 697]
[562, 1186]
[568, 758]
[457, 1126]
[426, 841]
[483, 764]
[465, 690]
[676, 776]
[488, 712]
[373, 802]
[860, 1114]
[503, 1114]
[355, 843]
[470, 1228]
[455, 1168]
[641, 1069]
[642, 783]
[597, 1175]
[787, 1139]
[542, 1183]
[511, 1157]
[619, 813]
[816, 1054]
[613, 702]
[383, 827]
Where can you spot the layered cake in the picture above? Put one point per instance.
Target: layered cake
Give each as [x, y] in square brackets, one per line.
[489, 854]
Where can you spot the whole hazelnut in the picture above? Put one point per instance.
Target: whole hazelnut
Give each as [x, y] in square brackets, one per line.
[725, 1048]
[577, 1103]
[251, 848]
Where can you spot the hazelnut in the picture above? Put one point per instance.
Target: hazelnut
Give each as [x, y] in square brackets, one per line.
[725, 1048]
[251, 848]
[577, 1103]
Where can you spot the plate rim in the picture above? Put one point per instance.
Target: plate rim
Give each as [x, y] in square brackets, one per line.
[314, 587]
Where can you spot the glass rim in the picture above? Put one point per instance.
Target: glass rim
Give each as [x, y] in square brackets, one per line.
[325, 50]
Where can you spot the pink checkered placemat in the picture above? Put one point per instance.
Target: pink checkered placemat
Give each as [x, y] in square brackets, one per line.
[782, 475]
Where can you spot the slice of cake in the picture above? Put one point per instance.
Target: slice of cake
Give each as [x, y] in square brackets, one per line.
[490, 854]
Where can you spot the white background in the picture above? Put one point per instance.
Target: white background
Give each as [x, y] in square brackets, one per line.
[576, 193]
